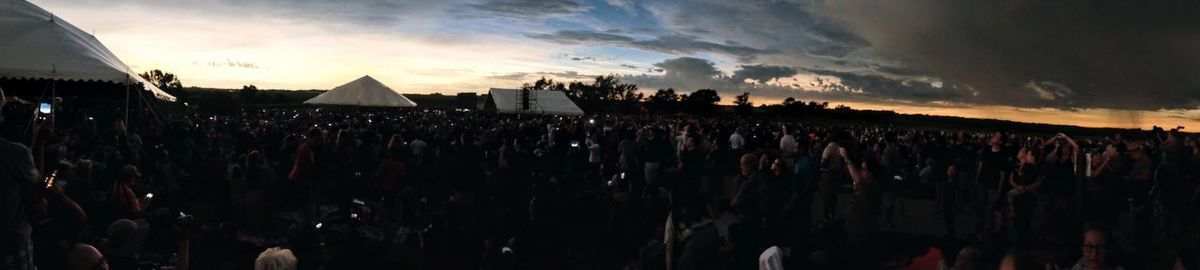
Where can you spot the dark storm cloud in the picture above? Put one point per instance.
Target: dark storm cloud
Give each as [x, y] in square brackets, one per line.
[1064, 54]
[762, 73]
[688, 68]
[797, 27]
[529, 9]
[675, 44]
[878, 86]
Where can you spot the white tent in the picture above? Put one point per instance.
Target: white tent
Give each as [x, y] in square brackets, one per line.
[541, 102]
[365, 91]
[35, 44]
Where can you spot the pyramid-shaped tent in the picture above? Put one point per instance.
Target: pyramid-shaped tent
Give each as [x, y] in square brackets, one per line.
[365, 91]
[35, 44]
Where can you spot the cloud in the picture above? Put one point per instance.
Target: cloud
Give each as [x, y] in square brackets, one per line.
[798, 28]
[763, 73]
[876, 86]
[627, 5]
[233, 64]
[1106, 54]
[671, 44]
[530, 9]
[629, 66]
[530, 76]
[689, 68]
[687, 74]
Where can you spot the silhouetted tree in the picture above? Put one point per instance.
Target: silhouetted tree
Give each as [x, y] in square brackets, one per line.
[663, 100]
[544, 84]
[743, 103]
[248, 94]
[703, 101]
[166, 81]
[604, 92]
[789, 101]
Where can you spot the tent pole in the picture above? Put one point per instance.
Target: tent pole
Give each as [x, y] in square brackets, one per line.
[53, 103]
[126, 103]
[149, 105]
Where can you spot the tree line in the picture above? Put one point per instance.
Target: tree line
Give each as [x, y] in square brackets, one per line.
[608, 94]
[605, 93]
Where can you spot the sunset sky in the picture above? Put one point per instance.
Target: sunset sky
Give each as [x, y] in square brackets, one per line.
[1025, 60]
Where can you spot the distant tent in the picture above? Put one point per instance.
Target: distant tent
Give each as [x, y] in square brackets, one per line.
[365, 91]
[35, 44]
[541, 102]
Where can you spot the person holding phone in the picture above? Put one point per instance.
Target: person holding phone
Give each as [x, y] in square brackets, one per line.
[17, 186]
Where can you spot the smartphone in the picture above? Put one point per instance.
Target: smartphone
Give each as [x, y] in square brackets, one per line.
[1088, 161]
[575, 143]
[50, 179]
[359, 202]
[148, 196]
[44, 107]
[318, 226]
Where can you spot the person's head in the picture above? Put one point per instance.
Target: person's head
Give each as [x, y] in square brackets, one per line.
[129, 174]
[395, 142]
[1019, 260]
[118, 126]
[749, 164]
[968, 259]
[275, 259]
[777, 166]
[85, 257]
[315, 134]
[997, 139]
[124, 234]
[84, 167]
[692, 142]
[1097, 246]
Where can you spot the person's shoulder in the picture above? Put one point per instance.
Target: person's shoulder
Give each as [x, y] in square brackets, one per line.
[7, 146]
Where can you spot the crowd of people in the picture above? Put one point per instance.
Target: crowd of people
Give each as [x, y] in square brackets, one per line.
[342, 188]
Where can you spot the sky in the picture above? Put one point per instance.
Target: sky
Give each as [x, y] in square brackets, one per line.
[1097, 63]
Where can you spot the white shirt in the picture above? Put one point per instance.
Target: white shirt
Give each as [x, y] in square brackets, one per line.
[831, 150]
[736, 141]
[594, 153]
[771, 259]
[788, 144]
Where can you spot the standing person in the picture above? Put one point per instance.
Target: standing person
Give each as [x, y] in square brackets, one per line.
[595, 157]
[862, 222]
[18, 178]
[992, 169]
[304, 170]
[736, 141]
[833, 174]
[787, 145]
[1026, 180]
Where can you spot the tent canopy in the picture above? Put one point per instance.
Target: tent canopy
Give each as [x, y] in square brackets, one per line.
[34, 44]
[543, 102]
[365, 91]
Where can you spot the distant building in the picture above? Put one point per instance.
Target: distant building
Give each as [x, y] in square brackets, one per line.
[469, 101]
[530, 102]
